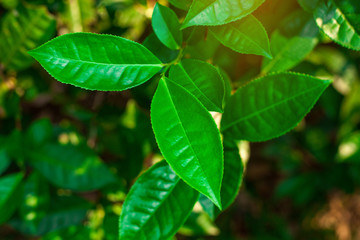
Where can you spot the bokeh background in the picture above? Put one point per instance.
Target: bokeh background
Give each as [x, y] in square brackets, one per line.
[69, 156]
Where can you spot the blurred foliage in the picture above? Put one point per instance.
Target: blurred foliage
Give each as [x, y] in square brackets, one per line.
[68, 156]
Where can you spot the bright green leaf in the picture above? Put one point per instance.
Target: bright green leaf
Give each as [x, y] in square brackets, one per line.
[184, 130]
[157, 205]
[21, 31]
[340, 20]
[218, 12]
[165, 54]
[97, 62]
[246, 35]
[270, 106]
[292, 42]
[202, 80]
[9, 199]
[166, 26]
[72, 167]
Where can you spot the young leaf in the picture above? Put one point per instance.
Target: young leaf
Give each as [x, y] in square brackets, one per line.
[246, 35]
[188, 138]
[233, 175]
[166, 26]
[202, 80]
[21, 31]
[9, 199]
[340, 20]
[97, 62]
[73, 167]
[270, 106]
[157, 205]
[218, 12]
[292, 42]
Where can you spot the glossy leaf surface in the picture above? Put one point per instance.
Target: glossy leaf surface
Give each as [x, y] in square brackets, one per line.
[21, 31]
[184, 130]
[9, 188]
[246, 35]
[71, 167]
[292, 42]
[270, 106]
[202, 80]
[340, 20]
[233, 175]
[218, 12]
[157, 205]
[97, 62]
[166, 26]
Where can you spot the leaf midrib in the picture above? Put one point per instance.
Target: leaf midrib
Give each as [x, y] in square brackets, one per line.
[270, 107]
[157, 207]
[185, 133]
[95, 63]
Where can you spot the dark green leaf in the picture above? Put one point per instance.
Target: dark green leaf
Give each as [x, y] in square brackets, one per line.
[246, 35]
[233, 175]
[165, 54]
[166, 26]
[9, 195]
[218, 12]
[72, 167]
[202, 80]
[4, 161]
[21, 31]
[270, 106]
[157, 205]
[184, 130]
[97, 62]
[182, 4]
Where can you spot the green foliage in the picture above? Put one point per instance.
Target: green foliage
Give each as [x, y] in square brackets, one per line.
[271, 106]
[183, 138]
[157, 205]
[244, 36]
[91, 61]
[190, 82]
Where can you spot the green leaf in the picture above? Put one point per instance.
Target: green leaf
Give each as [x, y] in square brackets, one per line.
[166, 26]
[157, 205]
[21, 30]
[233, 175]
[63, 212]
[165, 54]
[9, 195]
[97, 62]
[39, 132]
[309, 5]
[4, 161]
[72, 167]
[218, 12]
[270, 106]
[246, 35]
[188, 138]
[181, 4]
[292, 42]
[202, 80]
[340, 20]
